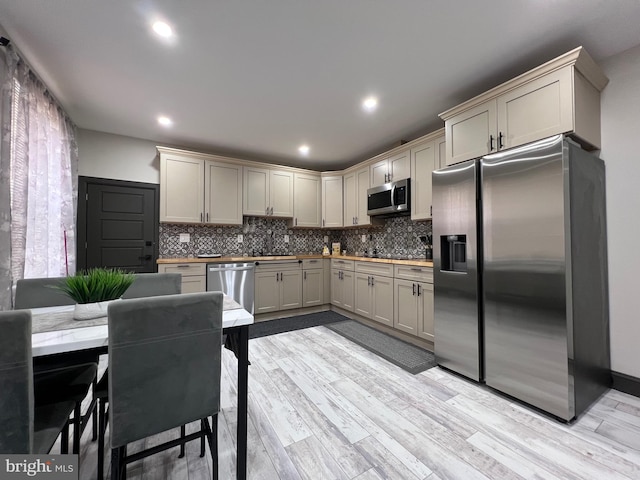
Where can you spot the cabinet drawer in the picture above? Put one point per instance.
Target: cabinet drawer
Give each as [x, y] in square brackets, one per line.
[277, 266]
[312, 263]
[384, 269]
[184, 268]
[419, 274]
[342, 264]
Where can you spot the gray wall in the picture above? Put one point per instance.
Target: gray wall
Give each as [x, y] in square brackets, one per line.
[620, 150]
[111, 156]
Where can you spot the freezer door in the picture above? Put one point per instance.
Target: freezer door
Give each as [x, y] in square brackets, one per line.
[455, 260]
[524, 279]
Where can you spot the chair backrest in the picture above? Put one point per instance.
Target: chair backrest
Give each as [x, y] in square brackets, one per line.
[164, 363]
[16, 395]
[154, 284]
[40, 292]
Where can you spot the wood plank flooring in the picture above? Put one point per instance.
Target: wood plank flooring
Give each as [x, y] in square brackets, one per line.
[321, 407]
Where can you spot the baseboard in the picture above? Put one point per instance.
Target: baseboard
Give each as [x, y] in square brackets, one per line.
[418, 342]
[626, 383]
[262, 317]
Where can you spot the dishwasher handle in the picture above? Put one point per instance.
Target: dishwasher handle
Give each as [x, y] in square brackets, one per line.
[227, 269]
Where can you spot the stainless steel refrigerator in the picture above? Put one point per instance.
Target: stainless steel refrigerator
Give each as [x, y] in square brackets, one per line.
[520, 274]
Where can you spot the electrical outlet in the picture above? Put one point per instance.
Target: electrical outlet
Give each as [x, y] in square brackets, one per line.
[240, 238]
[185, 238]
[364, 238]
[326, 239]
[286, 239]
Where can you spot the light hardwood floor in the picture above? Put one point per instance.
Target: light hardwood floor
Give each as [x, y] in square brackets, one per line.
[321, 407]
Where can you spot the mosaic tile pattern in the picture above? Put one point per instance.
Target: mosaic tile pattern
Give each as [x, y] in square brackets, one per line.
[397, 237]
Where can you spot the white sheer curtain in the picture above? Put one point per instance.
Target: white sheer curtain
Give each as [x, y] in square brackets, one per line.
[43, 178]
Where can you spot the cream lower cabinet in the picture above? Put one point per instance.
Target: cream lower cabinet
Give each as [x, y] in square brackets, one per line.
[342, 284]
[278, 287]
[561, 96]
[374, 291]
[312, 283]
[413, 301]
[194, 275]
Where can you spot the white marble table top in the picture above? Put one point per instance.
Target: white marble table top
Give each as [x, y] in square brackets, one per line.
[80, 338]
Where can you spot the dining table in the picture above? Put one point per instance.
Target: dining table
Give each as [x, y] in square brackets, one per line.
[55, 332]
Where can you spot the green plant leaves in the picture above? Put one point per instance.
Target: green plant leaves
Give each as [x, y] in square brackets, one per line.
[97, 285]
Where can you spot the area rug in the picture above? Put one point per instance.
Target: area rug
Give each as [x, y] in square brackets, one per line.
[281, 325]
[406, 356]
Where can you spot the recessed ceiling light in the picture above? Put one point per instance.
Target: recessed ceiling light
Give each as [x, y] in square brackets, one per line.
[304, 149]
[165, 121]
[370, 104]
[163, 29]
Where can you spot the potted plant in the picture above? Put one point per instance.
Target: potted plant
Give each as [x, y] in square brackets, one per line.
[94, 289]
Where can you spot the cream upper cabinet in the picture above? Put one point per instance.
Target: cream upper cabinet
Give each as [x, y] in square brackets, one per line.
[423, 163]
[561, 96]
[267, 192]
[332, 202]
[441, 152]
[223, 193]
[281, 193]
[356, 185]
[181, 188]
[307, 193]
[393, 168]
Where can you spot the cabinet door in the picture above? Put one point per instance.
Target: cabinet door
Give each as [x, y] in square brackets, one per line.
[181, 189]
[347, 284]
[379, 173]
[281, 193]
[422, 165]
[382, 300]
[406, 306]
[267, 294]
[400, 166]
[312, 287]
[194, 284]
[307, 190]
[425, 311]
[362, 185]
[537, 109]
[290, 289]
[336, 288]
[332, 202]
[441, 152]
[350, 199]
[256, 191]
[363, 295]
[468, 134]
[223, 193]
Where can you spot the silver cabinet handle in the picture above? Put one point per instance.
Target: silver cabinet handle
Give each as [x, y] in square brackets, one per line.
[266, 211]
[207, 216]
[313, 261]
[418, 289]
[304, 275]
[372, 278]
[271, 211]
[416, 269]
[200, 217]
[414, 288]
[296, 221]
[323, 222]
[369, 281]
[183, 266]
[356, 220]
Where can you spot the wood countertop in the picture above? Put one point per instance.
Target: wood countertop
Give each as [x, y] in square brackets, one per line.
[418, 262]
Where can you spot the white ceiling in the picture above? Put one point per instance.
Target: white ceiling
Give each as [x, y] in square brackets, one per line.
[259, 78]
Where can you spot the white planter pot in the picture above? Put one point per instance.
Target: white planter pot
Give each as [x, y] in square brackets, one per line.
[89, 311]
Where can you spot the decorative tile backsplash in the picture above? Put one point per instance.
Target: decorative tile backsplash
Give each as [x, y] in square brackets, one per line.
[397, 237]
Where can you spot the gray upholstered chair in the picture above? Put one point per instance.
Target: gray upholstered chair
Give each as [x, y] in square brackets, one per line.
[25, 426]
[144, 285]
[42, 292]
[154, 284]
[164, 371]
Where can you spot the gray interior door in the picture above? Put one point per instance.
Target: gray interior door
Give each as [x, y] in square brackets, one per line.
[117, 224]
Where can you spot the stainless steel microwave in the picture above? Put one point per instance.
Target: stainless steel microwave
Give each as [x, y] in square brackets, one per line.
[393, 198]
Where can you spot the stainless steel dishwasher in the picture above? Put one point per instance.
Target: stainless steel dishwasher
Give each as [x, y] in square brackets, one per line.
[235, 280]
